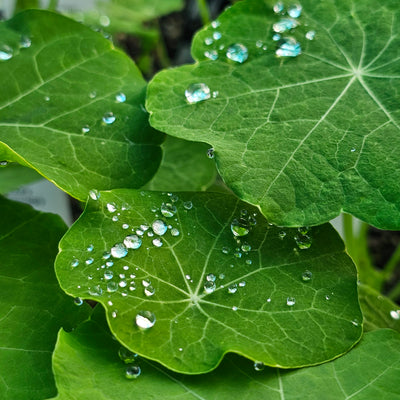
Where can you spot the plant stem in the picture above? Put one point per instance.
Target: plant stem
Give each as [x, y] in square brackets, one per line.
[21, 5]
[53, 5]
[392, 263]
[204, 12]
[349, 234]
[394, 294]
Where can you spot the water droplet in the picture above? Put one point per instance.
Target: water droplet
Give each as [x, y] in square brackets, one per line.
[6, 52]
[352, 149]
[234, 308]
[74, 262]
[94, 194]
[310, 35]
[225, 250]
[145, 319]
[209, 287]
[78, 301]
[284, 25]
[355, 322]
[115, 218]
[106, 255]
[210, 153]
[269, 300]
[237, 254]
[109, 263]
[208, 41]
[278, 7]
[104, 20]
[212, 55]
[259, 43]
[276, 37]
[174, 232]
[197, 92]
[217, 35]
[112, 286]
[111, 207]
[249, 262]
[89, 261]
[237, 52]
[242, 284]
[221, 276]
[288, 48]
[132, 371]
[108, 118]
[395, 314]
[46, 98]
[127, 356]
[258, 365]
[282, 234]
[132, 242]
[3, 163]
[146, 282]
[122, 284]
[168, 210]
[215, 24]
[125, 226]
[294, 10]
[96, 290]
[25, 42]
[290, 301]
[122, 276]
[303, 241]
[240, 227]
[211, 278]
[159, 227]
[215, 94]
[157, 242]
[188, 205]
[149, 291]
[108, 275]
[303, 230]
[306, 276]
[85, 129]
[232, 288]
[120, 98]
[114, 314]
[327, 297]
[119, 250]
[90, 248]
[245, 247]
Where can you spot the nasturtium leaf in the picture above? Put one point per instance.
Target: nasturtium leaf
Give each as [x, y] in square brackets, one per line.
[32, 306]
[378, 310]
[287, 298]
[304, 137]
[58, 89]
[184, 167]
[15, 175]
[86, 364]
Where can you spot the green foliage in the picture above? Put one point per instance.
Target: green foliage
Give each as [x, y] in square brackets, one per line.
[65, 81]
[306, 137]
[32, 306]
[187, 266]
[86, 362]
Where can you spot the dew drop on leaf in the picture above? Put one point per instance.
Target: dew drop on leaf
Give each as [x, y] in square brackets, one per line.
[94, 194]
[6, 52]
[187, 205]
[108, 275]
[310, 35]
[210, 153]
[175, 232]
[276, 37]
[232, 288]
[212, 55]
[289, 47]
[78, 301]
[159, 227]
[146, 282]
[209, 287]
[127, 356]
[211, 278]
[290, 301]
[85, 129]
[395, 314]
[132, 371]
[132, 242]
[119, 250]
[240, 227]
[120, 98]
[306, 276]
[95, 290]
[294, 10]
[278, 7]
[168, 210]
[284, 25]
[112, 287]
[145, 319]
[111, 207]
[74, 262]
[237, 52]
[197, 92]
[25, 42]
[89, 261]
[149, 291]
[157, 242]
[303, 241]
[258, 365]
[108, 118]
[217, 35]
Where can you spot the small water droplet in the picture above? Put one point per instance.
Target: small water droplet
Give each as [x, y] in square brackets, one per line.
[46, 98]
[112, 286]
[159, 227]
[306, 276]
[288, 48]
[149, 291]
[104, 20]
[278, 7]
[122, 284]
[237, 52]
[108, 275]
[284, 25]
[74, 262]
[258, 365]
[217, 35]
[197, 92]
[208, 41]
[290, 301]
[168, 210]
[6, 52]
[188, 205]
[210, 153]
[89, 261]
[132, 242]
[215, 94]
[111, 207]
[327, 297]
[25, 42]
[132, 372]
[232, 288]
[85, 129]
[125, 226]
[237, 254]
[95, 290]
[211, 278]
[221, 276]
[225, 250]
[115, 218]
[109, 263]
[259, 44]
[215, 24]
[303, 241]
[269, 300]
[240, 227]
[355, 322]
[282, 234]
[94, 194]
[234, 308]
[245, 247]
[242, 284]
[90, 248]
[209, 287]
[175, 232]
[249, 262]
[108, 118]
[353, 150]
[120, 98]
[3, 163]
[395, 314]
[119, 250]
[114, 314]
[212, 55]
[92, 95]
[157, 242]
[294, 10]
[78, 301]
[127, 356]
[310, 35]
[276, 37]
[145, 319]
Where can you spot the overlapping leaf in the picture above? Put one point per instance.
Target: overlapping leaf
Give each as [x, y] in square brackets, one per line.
[32, 306]
[303, 137]
[260, 295]
[57, 90]
[86, 363]
[14, 175]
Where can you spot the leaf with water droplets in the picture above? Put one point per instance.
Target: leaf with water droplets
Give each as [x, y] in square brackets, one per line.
[32, 306]
[58, 108]
[369, 371]
[305, 135]
[206, 301]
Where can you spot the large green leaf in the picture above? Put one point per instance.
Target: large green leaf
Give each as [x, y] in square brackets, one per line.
[66, 81]
[378, 311]
[184, 167]
[303, 137]
[86, 365]
[32, 306]
[261, 306]
[14, 175]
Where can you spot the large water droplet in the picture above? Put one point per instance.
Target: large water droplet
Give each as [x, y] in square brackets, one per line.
[157, 242]
[209, 287]
[237, 52]
[120, 98]
[212, 55]
[126, 355]
[94, 194]
[294, 10]
[306, 276]
[132, 242]
[132, 371]
[159, 227]
[111, 207]
[168, 210]
[290, 301]
[240, 227]
[6, 52]
[95, 290]
[288, 48]
[112, 287]
[108, 275]
[108, 118]
[119, 250]
[149, 291]
[188, 205]
[284, 25]
[197, 92]
[78, 301]
[145, 319]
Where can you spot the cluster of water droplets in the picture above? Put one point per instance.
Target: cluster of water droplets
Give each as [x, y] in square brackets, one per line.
[131, 361]
[8, 51]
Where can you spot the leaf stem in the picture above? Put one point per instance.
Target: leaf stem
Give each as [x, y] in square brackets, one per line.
[204, 12]
[349, 234]
[392, 263]
[53, 5]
